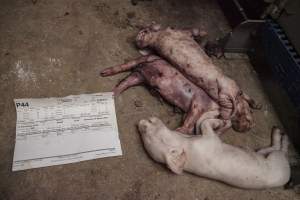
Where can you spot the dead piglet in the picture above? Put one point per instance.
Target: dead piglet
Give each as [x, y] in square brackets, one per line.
[170, 84]
[183, 52]
[207, 156]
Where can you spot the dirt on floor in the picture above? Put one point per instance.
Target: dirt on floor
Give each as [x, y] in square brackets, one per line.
[57, 48]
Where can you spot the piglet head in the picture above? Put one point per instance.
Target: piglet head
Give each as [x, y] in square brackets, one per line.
[146, 36]
[152, 132]
[162, 144]
[242, 120]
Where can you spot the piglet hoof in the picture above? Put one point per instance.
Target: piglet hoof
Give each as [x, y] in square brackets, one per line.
[184, 130]
[275, 128]
[105, 72]
[253, 104]
[196, 32]
[116, 92]
[203, 33]
[213, 48]
[143, 125]
[145, 52]
[149, 125]
[257, 106]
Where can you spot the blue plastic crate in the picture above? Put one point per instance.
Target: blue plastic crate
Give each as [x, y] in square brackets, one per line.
[283, 59]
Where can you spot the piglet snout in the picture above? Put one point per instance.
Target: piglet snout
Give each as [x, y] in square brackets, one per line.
[142, 126]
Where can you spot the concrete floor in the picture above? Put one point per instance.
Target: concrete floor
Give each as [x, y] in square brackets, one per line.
[56, 48]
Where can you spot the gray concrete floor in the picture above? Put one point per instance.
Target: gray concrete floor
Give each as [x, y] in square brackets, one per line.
[56, 48]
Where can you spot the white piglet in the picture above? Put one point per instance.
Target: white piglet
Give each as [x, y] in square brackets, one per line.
[206, 155]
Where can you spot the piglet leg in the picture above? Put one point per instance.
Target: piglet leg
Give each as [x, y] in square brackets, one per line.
[276, 142]
[131, 80]
[209, 126]
[213, 115]
[191, 118]
[128, 66]
[196, 32]
[226, 125]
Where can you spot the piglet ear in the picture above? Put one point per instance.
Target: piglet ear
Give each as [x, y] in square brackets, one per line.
[155, 27]
[175, 160]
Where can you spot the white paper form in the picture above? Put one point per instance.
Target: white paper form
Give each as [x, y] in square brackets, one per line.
[54, 131]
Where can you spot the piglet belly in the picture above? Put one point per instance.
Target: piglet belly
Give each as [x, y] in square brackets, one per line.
[170, 83]
[175, 93]
[237, 168]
